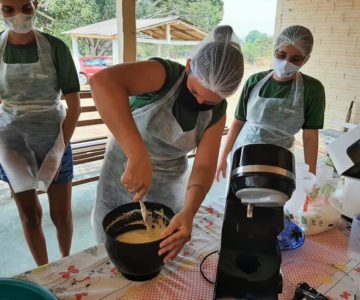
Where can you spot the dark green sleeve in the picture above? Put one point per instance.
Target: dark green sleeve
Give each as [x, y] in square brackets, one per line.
[173, 70]
[314, 100]
[241, 108]
[67, 75]
[240, 112]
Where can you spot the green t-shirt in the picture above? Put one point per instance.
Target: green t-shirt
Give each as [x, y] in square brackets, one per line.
[314, 97]
[66, 71]
[186, 119]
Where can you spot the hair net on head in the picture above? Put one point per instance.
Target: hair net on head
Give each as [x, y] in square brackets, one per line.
[298, 36]
[218, 63]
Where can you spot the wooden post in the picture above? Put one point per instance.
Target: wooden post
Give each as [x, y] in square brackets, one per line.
[126, 21]
[76, 55]
[115, 52]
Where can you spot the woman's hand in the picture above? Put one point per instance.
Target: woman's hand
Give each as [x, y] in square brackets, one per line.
[221, 168]
[178, 233]
[137, 175]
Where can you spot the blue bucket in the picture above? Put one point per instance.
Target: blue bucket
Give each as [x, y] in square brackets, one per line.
[16, 289]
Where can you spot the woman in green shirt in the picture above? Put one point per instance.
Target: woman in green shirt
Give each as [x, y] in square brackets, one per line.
[276, 104]
[35, 128]
[175, 108]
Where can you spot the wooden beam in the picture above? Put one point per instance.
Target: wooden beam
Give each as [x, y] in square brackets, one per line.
[164, 42]
[94, 36]
[76, 53]
[126, 21]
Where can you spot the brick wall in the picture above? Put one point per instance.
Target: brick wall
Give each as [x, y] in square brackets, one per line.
[335, 59]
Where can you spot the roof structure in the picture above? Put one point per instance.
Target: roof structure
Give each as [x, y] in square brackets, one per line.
[175, 29]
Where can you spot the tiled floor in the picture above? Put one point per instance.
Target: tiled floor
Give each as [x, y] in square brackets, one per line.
[14, 254]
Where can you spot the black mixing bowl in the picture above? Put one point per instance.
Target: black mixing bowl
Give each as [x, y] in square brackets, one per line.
[137, 262]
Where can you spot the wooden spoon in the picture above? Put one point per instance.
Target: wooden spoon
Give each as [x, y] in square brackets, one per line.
[145, 214]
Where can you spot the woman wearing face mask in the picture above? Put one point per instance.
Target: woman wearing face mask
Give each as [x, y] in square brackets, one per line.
[35, 128]
[276, 104]
[172, 109]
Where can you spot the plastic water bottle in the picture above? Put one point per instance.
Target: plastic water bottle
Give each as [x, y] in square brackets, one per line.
[354, 241]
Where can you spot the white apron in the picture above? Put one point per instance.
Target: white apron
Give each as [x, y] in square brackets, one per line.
[31, 117]
[271, 120]
[168, 146]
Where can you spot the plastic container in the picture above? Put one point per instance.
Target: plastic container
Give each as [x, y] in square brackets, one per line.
[140, 261]
[351, 203]
[304, 183]
[354, 241]
[16, 289]
[323, 174]
[326, 279]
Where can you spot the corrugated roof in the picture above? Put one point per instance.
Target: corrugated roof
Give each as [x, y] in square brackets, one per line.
[180, 29]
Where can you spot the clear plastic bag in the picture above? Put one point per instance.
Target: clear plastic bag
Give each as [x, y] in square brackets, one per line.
[316, 202]
[321, 210]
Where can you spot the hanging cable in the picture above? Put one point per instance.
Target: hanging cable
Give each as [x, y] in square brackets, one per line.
[201, 264]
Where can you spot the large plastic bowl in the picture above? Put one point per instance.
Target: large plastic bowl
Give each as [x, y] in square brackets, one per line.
[16, 289]
[137, 262]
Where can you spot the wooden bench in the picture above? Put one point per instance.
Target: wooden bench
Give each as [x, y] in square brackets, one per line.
[90, 149]
[93, 149]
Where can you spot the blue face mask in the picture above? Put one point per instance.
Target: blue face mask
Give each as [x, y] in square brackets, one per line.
[20, 23]
[187, 99]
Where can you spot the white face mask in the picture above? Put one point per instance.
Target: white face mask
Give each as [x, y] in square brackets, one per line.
[284, 69]
[20, 23]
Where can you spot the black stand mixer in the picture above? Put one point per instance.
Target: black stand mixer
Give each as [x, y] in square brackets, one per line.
[262, 179]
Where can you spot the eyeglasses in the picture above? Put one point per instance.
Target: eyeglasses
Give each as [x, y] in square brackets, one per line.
[294, 59]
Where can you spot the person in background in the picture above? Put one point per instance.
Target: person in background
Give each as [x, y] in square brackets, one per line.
[35, 129]
[172, 110]
[274, 105]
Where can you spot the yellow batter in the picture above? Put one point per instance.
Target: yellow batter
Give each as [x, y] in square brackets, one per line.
[143, 235]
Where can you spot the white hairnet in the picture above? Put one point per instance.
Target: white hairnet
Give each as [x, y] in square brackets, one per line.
[298, 36]
[218, 63]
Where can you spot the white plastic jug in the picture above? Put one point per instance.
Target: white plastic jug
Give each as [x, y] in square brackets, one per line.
[351, 197]
[305, 180]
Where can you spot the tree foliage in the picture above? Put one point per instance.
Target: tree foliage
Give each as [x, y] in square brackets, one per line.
[205, 14]
[66, 15]
[257, 46]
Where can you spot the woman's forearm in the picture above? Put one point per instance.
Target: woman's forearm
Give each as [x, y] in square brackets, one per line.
[72, 116]
[111, 89]
[112, 103]
[233, 133]
[311, 146]
[198, 186]
[204, 168]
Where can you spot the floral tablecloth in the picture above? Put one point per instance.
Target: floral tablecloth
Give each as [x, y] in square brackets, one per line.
[89, 275]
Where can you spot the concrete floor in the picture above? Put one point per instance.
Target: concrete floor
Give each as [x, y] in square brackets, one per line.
[15, 256]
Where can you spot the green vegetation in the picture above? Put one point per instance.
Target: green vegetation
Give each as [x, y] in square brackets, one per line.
[257, 48]
[205, 14]
[57, 16]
